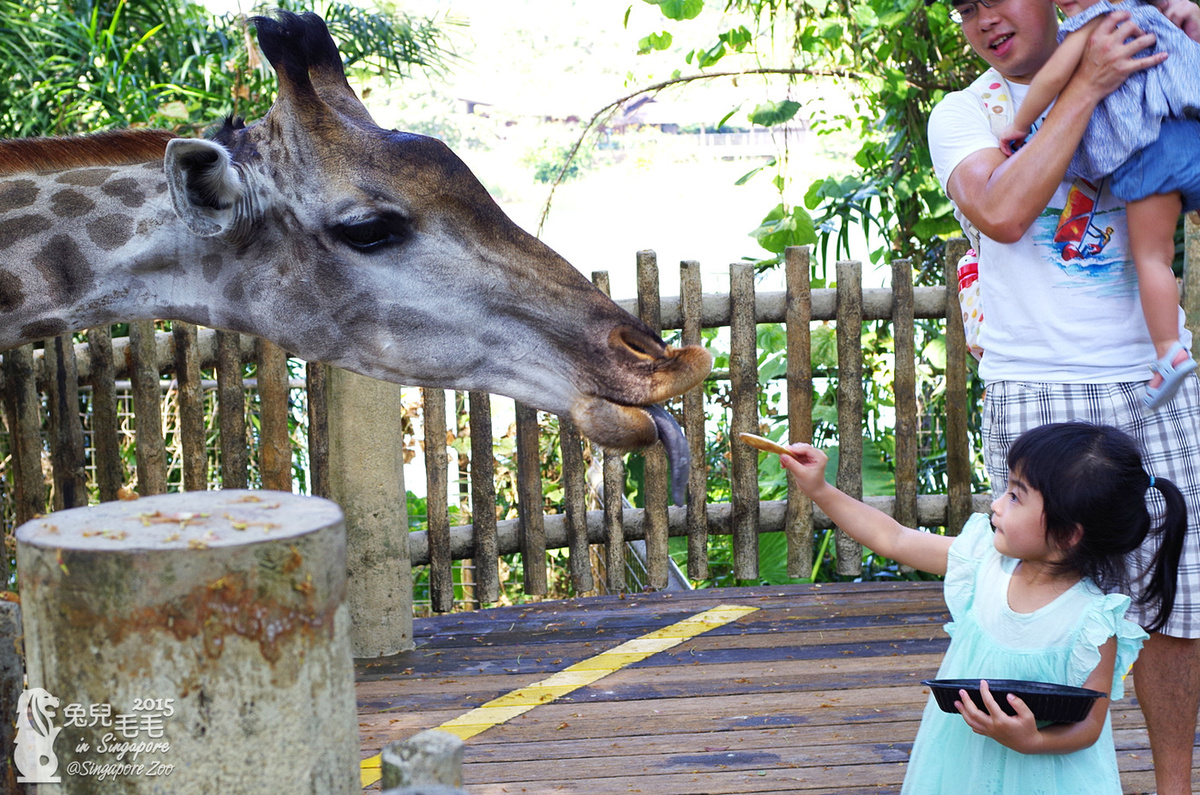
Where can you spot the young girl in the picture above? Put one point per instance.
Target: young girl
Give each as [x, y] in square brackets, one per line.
[1032, 595]
[1146, 136]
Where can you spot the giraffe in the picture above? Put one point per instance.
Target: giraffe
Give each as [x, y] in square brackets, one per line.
[373, 250]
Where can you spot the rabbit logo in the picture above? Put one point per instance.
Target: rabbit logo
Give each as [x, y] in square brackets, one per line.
[36, 733]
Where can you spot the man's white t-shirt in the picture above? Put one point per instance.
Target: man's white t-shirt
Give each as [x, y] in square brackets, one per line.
[1061, 304]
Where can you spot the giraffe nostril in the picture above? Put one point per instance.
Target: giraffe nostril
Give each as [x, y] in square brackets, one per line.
[639, 343]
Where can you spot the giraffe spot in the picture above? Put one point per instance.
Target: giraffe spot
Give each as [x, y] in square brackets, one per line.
[111, 231]
[17, 193]
[71, 204]
[212, 266]
[127, 190]
[235, 291]
[44, 329]
[11, 293]
[65, 268]
[16, 229]
[86, 177]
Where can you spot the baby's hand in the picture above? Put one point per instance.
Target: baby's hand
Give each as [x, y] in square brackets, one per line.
[1012, 139]
[807, 465]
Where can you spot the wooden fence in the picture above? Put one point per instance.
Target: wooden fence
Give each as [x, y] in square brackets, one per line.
[46, 463]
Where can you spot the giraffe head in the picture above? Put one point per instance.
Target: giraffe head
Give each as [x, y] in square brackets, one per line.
[380, 252]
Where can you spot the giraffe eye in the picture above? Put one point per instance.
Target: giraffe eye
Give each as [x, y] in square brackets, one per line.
[374, 233]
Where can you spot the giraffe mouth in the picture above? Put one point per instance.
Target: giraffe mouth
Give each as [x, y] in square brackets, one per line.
[618, 427]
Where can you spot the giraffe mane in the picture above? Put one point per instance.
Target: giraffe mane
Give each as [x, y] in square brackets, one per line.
[111, 148]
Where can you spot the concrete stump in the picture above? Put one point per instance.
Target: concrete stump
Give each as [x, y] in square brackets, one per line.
[190, 643]
[427, 758]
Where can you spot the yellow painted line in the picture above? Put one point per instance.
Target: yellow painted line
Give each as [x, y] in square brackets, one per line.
[582, 673]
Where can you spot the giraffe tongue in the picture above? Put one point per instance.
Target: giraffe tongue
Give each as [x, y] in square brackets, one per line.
[671, 435]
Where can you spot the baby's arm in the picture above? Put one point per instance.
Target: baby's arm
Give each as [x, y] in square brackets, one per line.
[873, 529]
[1185, 14]
[1020, 732]
[1046, 85]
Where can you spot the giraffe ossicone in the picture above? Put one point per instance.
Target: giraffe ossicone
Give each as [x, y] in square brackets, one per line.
[369, 249]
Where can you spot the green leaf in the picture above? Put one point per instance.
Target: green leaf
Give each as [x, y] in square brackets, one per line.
[679, 9]
[781, 229]
[655, 41]
[773, 113]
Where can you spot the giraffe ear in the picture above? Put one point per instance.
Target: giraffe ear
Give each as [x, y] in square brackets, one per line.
[204, 185]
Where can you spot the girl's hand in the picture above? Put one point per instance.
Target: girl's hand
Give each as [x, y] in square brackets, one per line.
[1011, 139]
[1018, 732]
[807, 465]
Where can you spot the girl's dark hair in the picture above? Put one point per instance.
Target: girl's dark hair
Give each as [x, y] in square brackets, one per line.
[1091, 477]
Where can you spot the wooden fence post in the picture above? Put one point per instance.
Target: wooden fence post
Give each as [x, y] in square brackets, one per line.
[654, 458]
[366, 477]
[798, 523]
[849, 403]
[691, 302]
[1191, 273]
[958, 440]
[613, 498]
[207, 628]
[743, 379]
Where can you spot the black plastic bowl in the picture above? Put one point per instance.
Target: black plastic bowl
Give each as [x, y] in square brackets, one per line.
[1048, 702]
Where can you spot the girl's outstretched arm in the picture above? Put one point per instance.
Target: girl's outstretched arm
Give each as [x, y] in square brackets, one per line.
[1020, 732]
[871, 528]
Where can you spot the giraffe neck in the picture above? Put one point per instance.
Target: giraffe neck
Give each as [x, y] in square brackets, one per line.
[92, 244]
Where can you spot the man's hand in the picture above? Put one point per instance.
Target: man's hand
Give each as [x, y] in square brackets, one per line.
[1109, 56]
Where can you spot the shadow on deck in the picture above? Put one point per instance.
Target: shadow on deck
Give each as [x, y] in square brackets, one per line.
[815, 690]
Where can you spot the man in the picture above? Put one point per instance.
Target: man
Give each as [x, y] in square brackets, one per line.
[1064, 336]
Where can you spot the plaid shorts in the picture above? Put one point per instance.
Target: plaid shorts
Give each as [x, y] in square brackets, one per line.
[1170, 443]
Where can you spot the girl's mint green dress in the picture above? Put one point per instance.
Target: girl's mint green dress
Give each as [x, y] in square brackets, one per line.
[1057, 643]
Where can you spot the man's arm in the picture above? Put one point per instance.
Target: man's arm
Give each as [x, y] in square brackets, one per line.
[1003, 196]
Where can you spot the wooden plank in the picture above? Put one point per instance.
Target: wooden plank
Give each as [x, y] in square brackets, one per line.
[575, 498]
[691, 297]
[656, 478]
[191, 406]
[798, 521]
[441, 567]
[743, 382]
[817, 688]
[231, 410]
[318, 427]
[106, 438]
[849, 404]
[958, 440]
[151, 450]
[23, 413]
[529, 501]
[483, 498]
[613, 498]
[274, 441]
[904, 391]
[66, 430]
[1191, 273]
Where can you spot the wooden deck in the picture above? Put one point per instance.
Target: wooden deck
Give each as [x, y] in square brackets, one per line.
[817, 690]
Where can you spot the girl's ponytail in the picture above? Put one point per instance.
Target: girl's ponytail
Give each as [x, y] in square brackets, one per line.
[1164, 568]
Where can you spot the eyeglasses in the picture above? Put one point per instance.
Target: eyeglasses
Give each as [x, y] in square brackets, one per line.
[965, 12]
